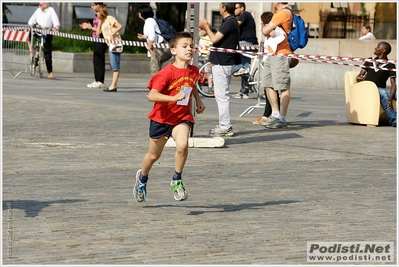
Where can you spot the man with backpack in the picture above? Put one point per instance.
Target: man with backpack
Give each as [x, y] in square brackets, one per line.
[276, 75]
[153, 34]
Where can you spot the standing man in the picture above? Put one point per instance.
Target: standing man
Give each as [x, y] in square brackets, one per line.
[276, 75]
[223, 64]
[369, 72]
[247, 37]
[45, 17]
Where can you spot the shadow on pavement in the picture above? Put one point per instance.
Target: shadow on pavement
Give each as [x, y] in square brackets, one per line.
[33, 207]
[226, 207]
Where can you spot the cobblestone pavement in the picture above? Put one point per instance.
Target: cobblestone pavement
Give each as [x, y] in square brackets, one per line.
[70, 154]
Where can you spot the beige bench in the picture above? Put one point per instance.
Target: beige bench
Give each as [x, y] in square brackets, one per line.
[363, 102]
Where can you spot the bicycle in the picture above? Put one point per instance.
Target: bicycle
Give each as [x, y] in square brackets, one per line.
[205, 80]
[37, 60]
[251, 80]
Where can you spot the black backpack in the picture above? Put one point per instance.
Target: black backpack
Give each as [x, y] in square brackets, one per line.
[167, 30]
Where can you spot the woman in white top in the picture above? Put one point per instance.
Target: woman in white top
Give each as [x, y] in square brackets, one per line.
[366, 33]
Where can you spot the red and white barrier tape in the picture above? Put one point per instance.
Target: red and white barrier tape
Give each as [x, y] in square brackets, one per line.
[321, 59]
[19, 31]
[11, 35]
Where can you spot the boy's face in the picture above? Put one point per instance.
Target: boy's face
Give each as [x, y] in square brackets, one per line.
[183, 49]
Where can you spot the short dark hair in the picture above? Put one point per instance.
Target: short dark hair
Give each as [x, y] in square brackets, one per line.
[230, 7]
[367, 26]
[241, 5]
[387, 47]
[266, 17]
[179, 35]
[146, 11]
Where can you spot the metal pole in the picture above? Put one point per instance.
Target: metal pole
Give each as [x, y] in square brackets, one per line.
[193, 13]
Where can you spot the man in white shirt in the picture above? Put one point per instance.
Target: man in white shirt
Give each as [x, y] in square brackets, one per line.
[46, 17]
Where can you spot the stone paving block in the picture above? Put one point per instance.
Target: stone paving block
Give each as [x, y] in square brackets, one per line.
[70, 154]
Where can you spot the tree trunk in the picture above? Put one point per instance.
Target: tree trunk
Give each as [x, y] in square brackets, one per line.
[174, 13]
[134, 25]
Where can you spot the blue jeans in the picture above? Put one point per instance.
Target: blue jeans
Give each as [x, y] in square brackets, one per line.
[384, 95]
[115, 60]
[245, 62]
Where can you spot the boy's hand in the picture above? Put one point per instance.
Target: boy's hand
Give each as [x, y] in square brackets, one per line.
[179, 96]
[200, 107]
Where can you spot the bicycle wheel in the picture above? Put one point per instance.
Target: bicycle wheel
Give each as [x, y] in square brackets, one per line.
[205, 81]
[32, 66]
[256, 81]
[32, 69]
[41, 62]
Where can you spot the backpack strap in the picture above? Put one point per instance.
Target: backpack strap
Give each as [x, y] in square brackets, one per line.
[292, 23]
[158, 33]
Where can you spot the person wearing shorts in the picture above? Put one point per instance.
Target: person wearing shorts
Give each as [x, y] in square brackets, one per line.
[276, 75]
[171, 89]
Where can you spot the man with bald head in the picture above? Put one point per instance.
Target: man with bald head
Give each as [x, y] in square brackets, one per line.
[46, 17]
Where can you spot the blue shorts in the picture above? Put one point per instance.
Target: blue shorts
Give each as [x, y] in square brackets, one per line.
[115, 60]
[158, 130]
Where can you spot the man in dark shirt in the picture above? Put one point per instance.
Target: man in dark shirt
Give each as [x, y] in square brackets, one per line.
[247, 37]
[223, 64]
[371, 71]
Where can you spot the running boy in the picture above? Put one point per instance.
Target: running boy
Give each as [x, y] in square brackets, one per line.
[170, 90]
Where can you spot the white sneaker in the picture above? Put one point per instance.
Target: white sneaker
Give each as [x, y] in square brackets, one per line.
[90, 85]
[240, 96]
[98, 85]
[241, 71]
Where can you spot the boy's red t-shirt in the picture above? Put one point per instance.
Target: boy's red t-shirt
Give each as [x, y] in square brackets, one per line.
[168, 81]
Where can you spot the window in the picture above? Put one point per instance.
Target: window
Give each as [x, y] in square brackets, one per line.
[20, 14]
[216, 20]
[84, 14]
[295, 6]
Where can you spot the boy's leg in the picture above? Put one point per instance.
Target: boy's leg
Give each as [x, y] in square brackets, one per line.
[154, 152]
[181, 134]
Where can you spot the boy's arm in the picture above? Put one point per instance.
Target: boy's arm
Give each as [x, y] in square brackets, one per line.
[156, 96]
[268, 28]
[200, 107]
